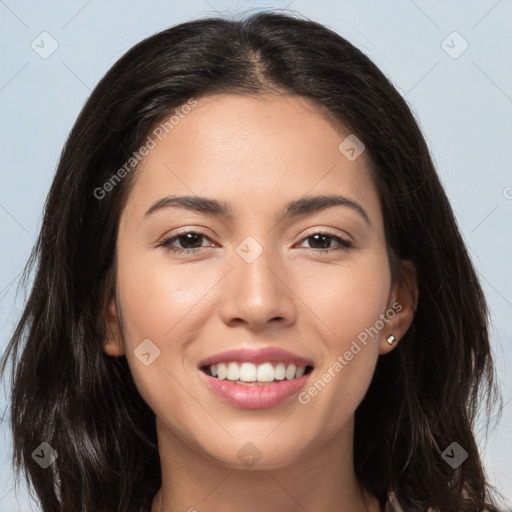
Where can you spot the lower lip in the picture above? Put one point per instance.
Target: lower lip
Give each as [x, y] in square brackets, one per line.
[255, 397]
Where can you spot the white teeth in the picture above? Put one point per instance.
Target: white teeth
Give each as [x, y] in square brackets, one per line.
[249, 372]
[233, 372]
[222, 371]
[280, 371]
[265, 372]
[290, 371]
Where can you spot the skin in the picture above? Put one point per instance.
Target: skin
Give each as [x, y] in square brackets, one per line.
[256, 154]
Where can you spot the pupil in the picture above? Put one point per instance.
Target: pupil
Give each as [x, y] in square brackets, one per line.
[323, 242]
[189, 239]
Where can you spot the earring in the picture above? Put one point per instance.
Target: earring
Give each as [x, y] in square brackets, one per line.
[391, 339]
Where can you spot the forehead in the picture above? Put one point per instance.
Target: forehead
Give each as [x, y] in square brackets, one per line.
[252, 152]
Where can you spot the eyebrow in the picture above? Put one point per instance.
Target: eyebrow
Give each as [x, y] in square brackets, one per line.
[295, 208]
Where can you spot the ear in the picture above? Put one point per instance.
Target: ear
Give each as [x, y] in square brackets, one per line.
[113, 344]
[403, 300]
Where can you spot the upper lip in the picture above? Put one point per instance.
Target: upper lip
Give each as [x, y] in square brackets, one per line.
[257, 356]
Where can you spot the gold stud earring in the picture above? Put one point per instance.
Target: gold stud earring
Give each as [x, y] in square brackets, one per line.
[391, 339]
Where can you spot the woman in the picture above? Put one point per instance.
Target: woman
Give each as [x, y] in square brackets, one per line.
[183, 349]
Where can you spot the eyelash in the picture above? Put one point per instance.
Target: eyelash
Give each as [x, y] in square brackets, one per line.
[344, 245]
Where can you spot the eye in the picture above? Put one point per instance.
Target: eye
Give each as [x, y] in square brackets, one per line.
[191, 242]
[323, 238]
[189, 239]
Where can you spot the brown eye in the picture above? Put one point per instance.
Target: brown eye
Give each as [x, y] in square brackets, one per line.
[323, 239]
[190, 241]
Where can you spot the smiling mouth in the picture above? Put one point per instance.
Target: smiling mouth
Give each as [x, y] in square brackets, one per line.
[250, 374]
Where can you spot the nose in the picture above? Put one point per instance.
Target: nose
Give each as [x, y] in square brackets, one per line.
[258, 295]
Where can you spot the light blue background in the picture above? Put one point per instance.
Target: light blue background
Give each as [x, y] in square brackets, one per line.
[464, 106]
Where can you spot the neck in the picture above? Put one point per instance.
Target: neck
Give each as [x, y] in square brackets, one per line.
[321, 479]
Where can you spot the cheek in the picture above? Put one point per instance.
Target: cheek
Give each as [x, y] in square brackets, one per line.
[349, 298]
[349, 303]
[163, 308]
[158, 299]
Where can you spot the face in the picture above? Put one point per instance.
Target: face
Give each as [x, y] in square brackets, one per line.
[258, 294]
